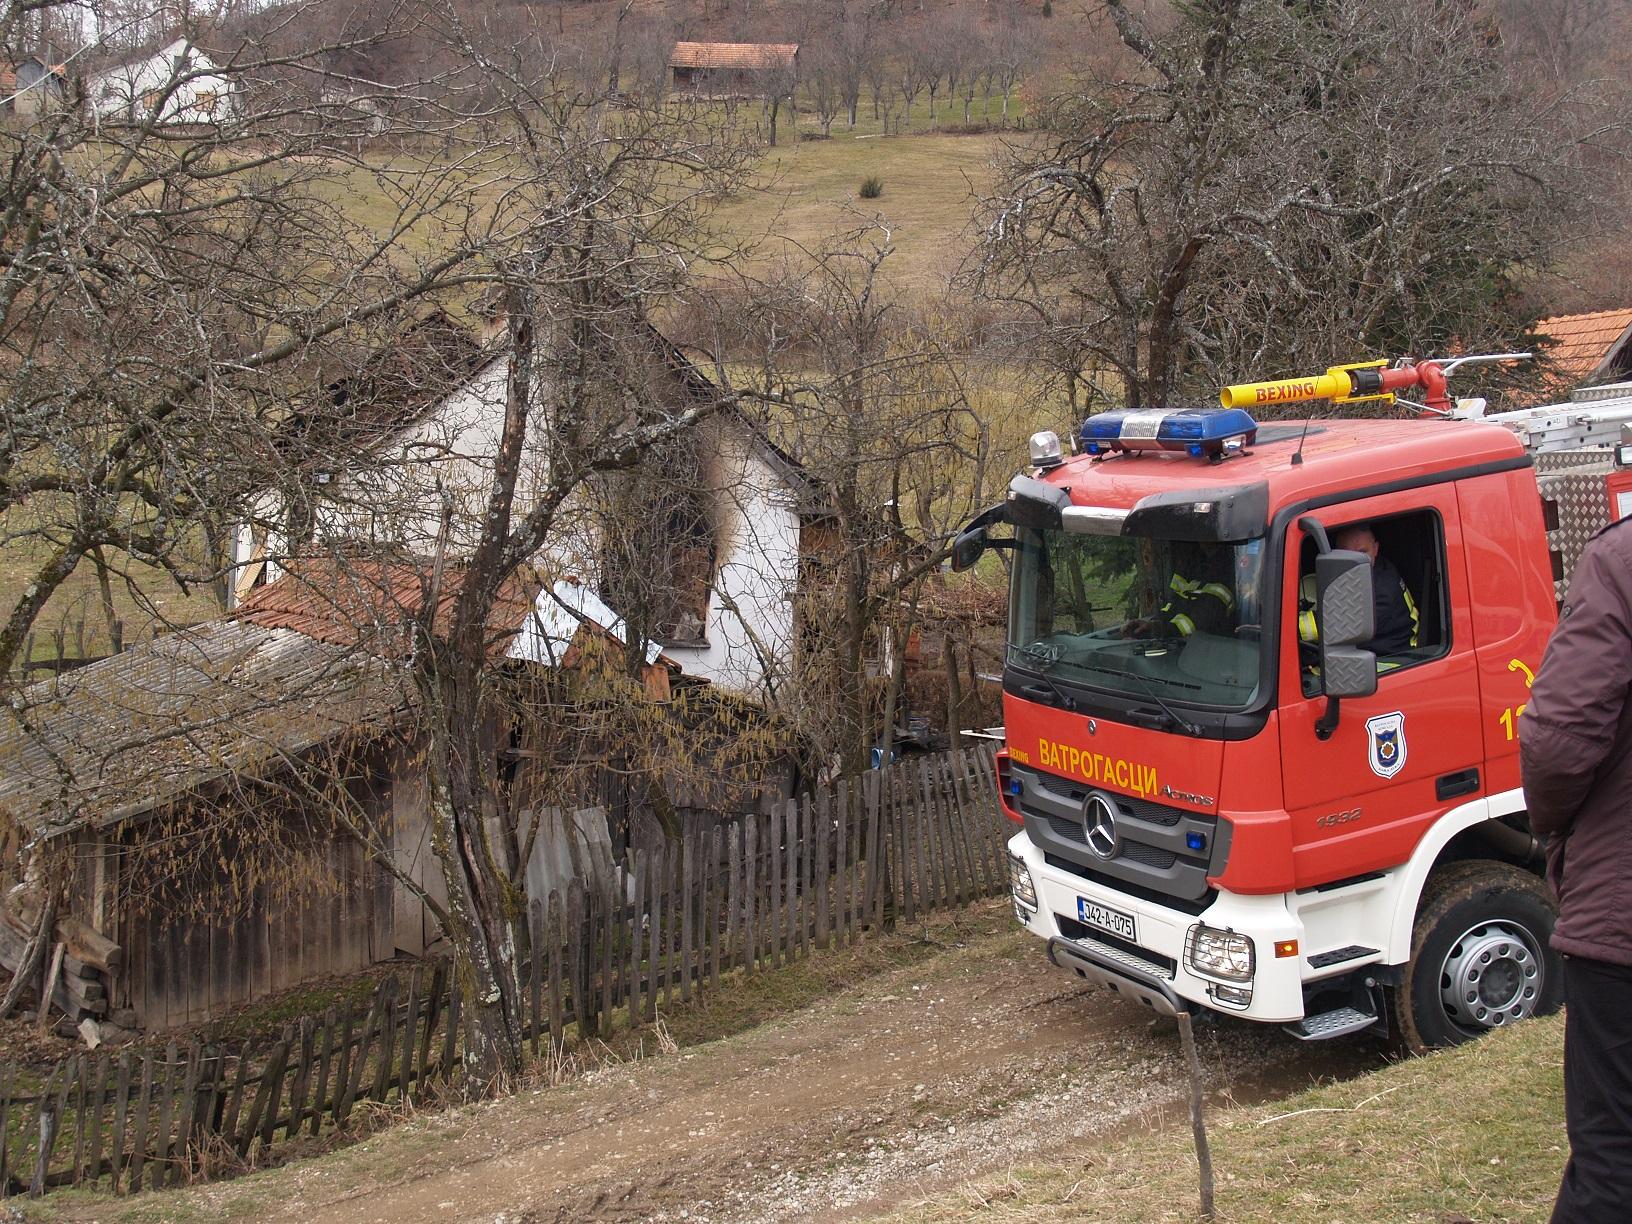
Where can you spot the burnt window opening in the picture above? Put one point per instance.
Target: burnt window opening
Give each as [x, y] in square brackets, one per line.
[659, 546]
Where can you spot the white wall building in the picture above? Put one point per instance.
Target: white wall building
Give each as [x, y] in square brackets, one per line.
[182, 82]
[738, 563]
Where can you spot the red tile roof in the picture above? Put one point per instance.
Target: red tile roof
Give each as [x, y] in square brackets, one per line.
[370, 603]
[1581, 344]
[733, 55]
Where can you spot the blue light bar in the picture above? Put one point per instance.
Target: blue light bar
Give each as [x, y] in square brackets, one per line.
[1202, 432]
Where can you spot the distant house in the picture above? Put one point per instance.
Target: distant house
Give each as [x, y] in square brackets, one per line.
[179, 81]
[30, 86]
[1588, 348]
[719, 69]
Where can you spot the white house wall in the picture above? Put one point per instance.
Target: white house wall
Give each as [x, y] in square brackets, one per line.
[750, 612]
[204, 96]
[749, 624]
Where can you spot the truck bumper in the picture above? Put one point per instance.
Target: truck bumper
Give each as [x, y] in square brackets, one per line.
[1153, 966]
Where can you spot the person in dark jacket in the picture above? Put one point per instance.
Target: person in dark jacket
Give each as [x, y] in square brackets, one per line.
[1575, 748]
[1396, 625]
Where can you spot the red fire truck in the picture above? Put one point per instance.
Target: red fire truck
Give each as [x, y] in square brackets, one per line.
[1232, 793]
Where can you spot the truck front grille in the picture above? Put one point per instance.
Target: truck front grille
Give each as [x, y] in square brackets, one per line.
[1154, 853]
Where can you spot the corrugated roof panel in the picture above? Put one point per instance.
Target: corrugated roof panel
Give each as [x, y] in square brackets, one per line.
[134, 731]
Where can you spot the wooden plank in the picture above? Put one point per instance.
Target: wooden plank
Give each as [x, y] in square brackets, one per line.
[994, 827]
[654, 942]
[843, 893]
[359, 1059]
[301, 1081]
[381, 1086]
[773, 872]
[719, 894]
[575, 952]
[792, 824]
[954, 890]
[630, 932]
[877, 835]
[810, 812]
[733, 893]
[611, 915]
[433, 1013]
[121, 1107]
[671, 919]
[189, 1071]
[451, 1037]
[7, 1082]
[342, 1070]
[980, 861]
[410, 1026]
[823, 860]
[556, 919]
[270, 1095]
[688, 903]
[80, 1108]
[325, 1061]
[48, 1122]
[98, 1106]
[535, 980]
[162, 1133]
[751, 882]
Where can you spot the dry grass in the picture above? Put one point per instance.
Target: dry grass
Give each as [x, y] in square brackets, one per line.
[1474, 1134]
[807, 191]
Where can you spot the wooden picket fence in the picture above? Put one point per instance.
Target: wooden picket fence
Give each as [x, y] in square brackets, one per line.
[748, 894]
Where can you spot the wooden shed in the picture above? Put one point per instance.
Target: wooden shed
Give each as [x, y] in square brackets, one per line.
[723, 69]
[224, 795]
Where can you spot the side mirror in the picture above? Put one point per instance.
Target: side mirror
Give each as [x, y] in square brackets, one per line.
[1344, 609]
[968, 548]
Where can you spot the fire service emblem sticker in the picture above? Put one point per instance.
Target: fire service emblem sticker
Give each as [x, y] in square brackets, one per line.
[1385, 744]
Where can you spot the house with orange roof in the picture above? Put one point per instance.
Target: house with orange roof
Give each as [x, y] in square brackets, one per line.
[721, 69]
[1588, 348]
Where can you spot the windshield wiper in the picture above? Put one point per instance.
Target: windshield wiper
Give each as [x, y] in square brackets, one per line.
[1043, 658]
[1169, 716]
[1173, 718]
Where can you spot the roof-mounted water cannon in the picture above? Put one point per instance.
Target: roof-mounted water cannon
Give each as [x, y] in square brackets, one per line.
[1364, 381]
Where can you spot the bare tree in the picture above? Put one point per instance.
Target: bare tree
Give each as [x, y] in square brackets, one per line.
[1178, 227]
[878, 414]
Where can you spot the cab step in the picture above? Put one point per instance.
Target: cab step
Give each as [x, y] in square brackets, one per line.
[1339, 1022]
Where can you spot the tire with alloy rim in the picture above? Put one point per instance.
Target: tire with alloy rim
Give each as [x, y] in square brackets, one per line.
[1479, 956]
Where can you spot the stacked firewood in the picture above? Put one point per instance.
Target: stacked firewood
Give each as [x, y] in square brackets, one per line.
[74, 973]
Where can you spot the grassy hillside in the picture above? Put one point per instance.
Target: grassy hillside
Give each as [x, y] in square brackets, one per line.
[808, 190]
[1473, 1134]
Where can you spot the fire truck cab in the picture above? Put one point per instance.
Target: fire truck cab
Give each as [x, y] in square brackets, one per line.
[1230, 792]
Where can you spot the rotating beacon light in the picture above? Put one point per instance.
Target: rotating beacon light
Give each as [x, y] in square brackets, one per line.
[1210, 433]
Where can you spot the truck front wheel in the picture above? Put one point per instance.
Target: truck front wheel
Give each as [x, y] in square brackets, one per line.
[1480, 956]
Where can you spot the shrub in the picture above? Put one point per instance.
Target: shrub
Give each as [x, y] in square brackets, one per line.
[872, 187]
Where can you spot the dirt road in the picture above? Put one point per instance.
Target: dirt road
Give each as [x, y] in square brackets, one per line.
[972, 1060]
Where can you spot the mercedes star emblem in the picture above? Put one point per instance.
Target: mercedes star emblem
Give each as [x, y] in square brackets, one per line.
[1099, 825]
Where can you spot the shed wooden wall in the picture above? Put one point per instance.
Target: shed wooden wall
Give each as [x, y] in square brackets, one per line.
[184, 967]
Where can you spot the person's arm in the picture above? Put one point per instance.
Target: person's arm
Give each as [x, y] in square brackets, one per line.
[1575, 706]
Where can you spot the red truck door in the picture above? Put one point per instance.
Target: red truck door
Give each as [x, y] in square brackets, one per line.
[1361, 800]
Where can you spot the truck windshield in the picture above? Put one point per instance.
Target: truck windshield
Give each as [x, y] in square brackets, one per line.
[1138, 617]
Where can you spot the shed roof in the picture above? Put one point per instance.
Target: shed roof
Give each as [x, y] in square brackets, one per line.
[1583, 346]
[134, 731]
[733, 55]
